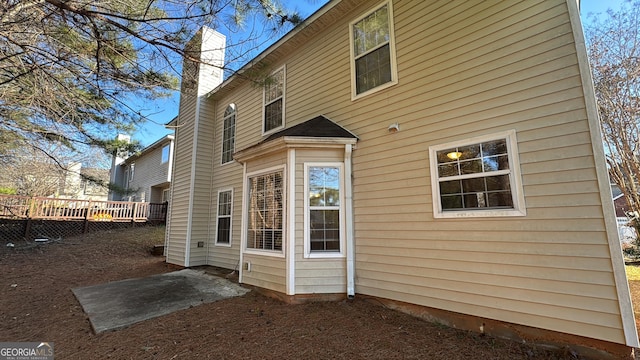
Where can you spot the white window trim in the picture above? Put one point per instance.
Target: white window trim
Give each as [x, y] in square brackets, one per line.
[283, 68]
[307, 233]
[251, 251]
[235, 113]
[230, 219]
[392, 53]
[515, 178]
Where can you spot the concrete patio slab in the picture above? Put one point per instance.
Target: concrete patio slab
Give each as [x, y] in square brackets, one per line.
[118, 304]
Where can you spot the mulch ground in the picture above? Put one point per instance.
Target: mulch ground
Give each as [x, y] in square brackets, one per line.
[36, 304]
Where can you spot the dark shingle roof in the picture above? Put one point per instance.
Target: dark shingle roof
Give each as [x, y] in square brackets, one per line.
[319, 126]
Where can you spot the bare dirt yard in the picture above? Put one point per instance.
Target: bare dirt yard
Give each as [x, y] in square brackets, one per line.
[36, 304]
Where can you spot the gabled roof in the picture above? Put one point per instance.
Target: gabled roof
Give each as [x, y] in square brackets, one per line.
[319, 126]
[158, 143]
[317, 132]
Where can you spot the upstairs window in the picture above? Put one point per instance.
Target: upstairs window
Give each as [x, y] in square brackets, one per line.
[477, 177]
[165, 154]
[228, 133]
[373, 51]
[274, 102]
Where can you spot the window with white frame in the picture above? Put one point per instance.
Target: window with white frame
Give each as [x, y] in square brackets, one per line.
[265, 212]
[323, 218]
[274, 102]
[228, 133]
[477, 177]
[373, 51]
[225, 202]
[165, 154]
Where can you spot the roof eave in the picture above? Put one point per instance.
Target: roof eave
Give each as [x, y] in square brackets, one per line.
[285, 142]
[303, 25]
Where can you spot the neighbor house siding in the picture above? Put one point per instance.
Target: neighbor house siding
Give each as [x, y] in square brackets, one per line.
[149, 171]
[315, 275]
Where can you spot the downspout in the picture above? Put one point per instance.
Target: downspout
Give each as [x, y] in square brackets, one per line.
[348, 194]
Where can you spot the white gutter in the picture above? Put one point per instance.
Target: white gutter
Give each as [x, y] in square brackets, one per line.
[349, 222]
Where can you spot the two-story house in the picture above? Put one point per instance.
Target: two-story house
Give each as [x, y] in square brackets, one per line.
[146, 175]
[443, 157]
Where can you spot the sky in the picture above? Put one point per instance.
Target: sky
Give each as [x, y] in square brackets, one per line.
[162, 111]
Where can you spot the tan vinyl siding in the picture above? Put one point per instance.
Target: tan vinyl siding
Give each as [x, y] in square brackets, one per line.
[315, 275]
[202, 193]
[477, 80]
[268, 271]
[227, 176]
[465, 69]
[181, 183]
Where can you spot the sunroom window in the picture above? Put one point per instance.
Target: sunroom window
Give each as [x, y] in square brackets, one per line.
[478, 177]
[323, 204]
[265, 212]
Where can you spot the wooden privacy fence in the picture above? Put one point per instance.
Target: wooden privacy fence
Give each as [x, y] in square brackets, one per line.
[24, 207]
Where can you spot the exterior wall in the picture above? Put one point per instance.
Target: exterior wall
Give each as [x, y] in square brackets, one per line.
[188, 226]
[464, 69]
[480, 73]
[203, 194]
[268, 270]
[149, 171]
[181, 184]
[315, 275]
[227, 176]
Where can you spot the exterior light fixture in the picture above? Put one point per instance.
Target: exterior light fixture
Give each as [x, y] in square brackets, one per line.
[395, 127]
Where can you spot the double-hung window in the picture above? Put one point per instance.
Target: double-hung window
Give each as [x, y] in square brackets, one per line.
[265, 211]
[323, 204]
[373, 51]
[274, 90]
[223, 233]
[477, 177]
[228, 133]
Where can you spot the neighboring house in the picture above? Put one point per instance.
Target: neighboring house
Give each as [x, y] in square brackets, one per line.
[628, 234]
[146, 175]
[443, 157]
[76, 183]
